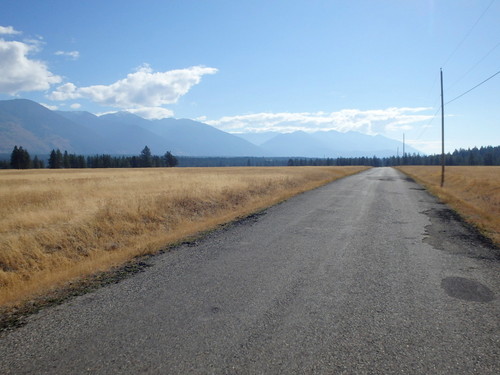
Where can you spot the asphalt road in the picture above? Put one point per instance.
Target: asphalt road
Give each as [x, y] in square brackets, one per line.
[367, 275]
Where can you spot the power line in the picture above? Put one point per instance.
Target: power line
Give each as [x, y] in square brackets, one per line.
[468, 33]
[479, 84]
[452, 100]
[426, 126]
[475, 65]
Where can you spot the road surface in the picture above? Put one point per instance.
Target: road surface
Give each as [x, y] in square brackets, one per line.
[367, 275]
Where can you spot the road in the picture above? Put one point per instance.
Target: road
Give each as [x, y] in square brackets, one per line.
[367, 275]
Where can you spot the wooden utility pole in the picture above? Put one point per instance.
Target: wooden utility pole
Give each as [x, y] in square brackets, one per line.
[404, 160]
[442, 131]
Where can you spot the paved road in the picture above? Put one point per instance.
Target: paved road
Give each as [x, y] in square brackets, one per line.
[368, 275]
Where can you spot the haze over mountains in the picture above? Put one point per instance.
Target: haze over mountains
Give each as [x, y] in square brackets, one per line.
[39, 130]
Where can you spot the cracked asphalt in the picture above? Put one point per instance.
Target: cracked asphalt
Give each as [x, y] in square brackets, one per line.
[367, 275]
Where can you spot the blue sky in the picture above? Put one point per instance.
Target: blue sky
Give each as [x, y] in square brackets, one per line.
[253, 66]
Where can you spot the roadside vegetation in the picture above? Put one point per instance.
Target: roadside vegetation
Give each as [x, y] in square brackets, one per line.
[61, 225]
[474, 192]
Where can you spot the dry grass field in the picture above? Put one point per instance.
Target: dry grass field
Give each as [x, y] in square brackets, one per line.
[56, 226]
[474, 192]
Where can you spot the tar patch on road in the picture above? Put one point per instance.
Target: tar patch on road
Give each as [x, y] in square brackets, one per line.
[468, 290]
[449, 232]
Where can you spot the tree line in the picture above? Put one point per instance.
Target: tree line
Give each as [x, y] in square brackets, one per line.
[488, 155]
[476, 156]
[20, 159]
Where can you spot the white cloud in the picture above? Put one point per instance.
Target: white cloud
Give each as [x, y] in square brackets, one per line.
[8, 30]
[19, 72]
[65, 92]
[75, 105]
[368, 122]
[151, 113]
[141, 89]
[71, 54]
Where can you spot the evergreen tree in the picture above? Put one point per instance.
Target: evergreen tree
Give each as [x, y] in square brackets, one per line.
[146, 158]
[52, 159]
[59, 159]
[14, 158]
[37, 163]
[56, 159]
[66, 160]
[81, 162]
[20, 158]
[170, 160]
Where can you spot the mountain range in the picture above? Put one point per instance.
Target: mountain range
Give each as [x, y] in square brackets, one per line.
[39, 130]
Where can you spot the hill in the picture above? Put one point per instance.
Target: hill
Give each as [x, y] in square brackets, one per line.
[188, 137]
[332, 144]
[39, 130]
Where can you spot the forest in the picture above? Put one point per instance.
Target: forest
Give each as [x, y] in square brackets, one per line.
[21, 159]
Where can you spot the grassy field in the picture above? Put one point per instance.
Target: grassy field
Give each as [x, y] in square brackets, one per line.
[59, 225]
[474, 192]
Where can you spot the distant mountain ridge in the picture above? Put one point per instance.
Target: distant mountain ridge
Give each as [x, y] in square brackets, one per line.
[39, 130]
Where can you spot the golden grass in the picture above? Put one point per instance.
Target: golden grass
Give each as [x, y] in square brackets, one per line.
[59, 225]
[474, 192]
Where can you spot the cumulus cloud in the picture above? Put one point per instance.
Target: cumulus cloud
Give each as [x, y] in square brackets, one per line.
[74, 55]
[18, 71]
[65, 92]
[140, 89]
[151, 113]
[8, 30]
[368, 121]
[75, 105]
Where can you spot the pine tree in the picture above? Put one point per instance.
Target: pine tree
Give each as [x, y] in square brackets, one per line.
[170, 160]
[37, 163]
[59, 158]
[20, 158]
[55, 159]
[14, 158]
[66, 160]
[146, 158]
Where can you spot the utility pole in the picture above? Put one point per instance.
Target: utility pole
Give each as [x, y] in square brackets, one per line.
[404, 159]
[442, 131]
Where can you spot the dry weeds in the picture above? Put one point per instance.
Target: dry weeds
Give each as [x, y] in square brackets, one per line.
[56, 226]
[474, 192]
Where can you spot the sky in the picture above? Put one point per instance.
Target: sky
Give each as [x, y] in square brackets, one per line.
[371, 66]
